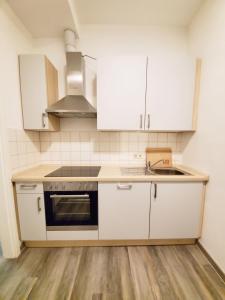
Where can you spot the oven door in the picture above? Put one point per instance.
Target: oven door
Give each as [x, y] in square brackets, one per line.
[71, 210]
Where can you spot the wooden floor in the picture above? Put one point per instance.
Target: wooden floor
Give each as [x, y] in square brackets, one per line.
[114, 273]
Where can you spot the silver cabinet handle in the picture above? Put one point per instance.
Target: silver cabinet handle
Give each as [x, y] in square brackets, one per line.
[39, 204]
[148, 121]
[84, 196]
[155, 190]
[141, 121]
[43, 120]
[28, 186]
[124, 186]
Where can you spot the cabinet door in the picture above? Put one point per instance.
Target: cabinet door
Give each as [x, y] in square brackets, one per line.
[31, 217]
[121, 87]
[39, 88]
[175, 210]
[124, 211]
[170, 93]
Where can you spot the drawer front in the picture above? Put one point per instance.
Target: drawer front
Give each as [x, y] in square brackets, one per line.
[72, 235]
[29, 188]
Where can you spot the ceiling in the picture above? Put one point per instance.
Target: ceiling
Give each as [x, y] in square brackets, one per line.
[48, 18]
[137, 12]
[44, 18]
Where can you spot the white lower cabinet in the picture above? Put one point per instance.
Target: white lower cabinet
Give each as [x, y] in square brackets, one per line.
[124, 211]
[31, 216]
[175, 210]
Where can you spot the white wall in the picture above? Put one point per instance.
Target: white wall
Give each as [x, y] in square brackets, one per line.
[100, 40]
[15, 40]
[206, 149]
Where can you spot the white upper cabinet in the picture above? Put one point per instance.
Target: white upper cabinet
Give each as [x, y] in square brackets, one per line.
[147, 93]
[170, 93]
[121, 87]
[39, 89]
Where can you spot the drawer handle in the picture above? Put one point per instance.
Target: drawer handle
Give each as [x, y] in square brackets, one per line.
[124, 186]
[39, 204]
[28, 186]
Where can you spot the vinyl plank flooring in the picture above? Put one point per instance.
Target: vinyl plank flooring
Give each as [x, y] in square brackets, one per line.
[57, 275]
[107, 272]
[111, 273]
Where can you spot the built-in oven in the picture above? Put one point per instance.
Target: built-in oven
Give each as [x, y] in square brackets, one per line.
[71, 205]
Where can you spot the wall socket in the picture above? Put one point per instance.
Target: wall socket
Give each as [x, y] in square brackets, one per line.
[139, 156]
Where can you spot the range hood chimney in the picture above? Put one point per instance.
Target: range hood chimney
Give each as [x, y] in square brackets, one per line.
[74, 104]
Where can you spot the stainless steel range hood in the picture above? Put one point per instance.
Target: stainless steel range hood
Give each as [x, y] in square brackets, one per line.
[74, 104]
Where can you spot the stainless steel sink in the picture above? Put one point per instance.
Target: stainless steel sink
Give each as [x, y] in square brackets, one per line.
[169, 171]
[142, 171]
[132, 171]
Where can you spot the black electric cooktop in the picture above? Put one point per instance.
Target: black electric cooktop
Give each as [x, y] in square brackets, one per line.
[75, 172]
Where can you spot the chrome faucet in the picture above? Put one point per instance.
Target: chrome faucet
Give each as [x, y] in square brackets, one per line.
[149, 166]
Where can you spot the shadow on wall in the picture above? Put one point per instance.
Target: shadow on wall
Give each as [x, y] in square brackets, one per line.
[186, 138]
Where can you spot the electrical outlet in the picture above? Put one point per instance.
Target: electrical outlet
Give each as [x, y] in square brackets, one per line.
[139, 156]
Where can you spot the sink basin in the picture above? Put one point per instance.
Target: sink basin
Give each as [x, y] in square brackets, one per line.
[142, 171]
[139, 171]
[170, 171]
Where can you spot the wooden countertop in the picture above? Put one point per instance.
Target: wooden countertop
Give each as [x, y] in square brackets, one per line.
[107, 174]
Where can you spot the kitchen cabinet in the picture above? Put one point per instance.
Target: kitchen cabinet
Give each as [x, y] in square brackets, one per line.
[32, 217]
[170, 93]
[121, 88]
[147, 93]
[176, 210]
[39, 89]
[124, 211]
[31, 211]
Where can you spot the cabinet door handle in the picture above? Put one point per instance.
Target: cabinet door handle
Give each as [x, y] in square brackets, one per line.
[39, 204]
[28, 186]
[148, 121]
[124, 186]
[155, 190]
[141, 121]
[43, 120]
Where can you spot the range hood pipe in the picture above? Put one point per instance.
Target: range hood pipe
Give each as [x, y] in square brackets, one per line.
[70, 40]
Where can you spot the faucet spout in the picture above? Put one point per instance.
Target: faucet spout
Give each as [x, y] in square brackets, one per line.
[150, 166]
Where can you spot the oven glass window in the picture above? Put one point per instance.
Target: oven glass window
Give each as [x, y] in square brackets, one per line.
[70, 208]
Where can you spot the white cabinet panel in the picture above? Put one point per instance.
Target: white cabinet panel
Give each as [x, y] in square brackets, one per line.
[175, 210]
[121, 86]
[124, 211]
[29, 188]
[39, 89]
[80, 235]
[170, 93]
[31, 217]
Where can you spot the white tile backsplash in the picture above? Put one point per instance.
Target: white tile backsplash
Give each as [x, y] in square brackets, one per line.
[103, 147]
[24, 148]
[90, 147]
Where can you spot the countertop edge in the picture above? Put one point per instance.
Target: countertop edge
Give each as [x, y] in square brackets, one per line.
[25, 176]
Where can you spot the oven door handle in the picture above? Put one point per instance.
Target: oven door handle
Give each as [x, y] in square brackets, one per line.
[84, 196]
